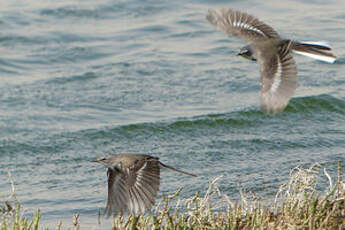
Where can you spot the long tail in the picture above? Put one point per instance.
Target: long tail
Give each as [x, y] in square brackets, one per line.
[176, 170]
[317, 50]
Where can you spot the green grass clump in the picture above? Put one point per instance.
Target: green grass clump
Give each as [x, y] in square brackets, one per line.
[10, 214]
[298, 205]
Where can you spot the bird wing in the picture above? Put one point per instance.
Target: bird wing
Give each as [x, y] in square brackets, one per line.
[135, 188]
[117, 193]
[278, 78]
[241, 25]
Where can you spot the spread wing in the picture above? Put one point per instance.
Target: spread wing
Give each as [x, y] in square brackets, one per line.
[241, 25]
[117, 193]
[134, 189]
[278, 79]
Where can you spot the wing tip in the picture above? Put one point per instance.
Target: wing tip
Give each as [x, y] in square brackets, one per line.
[212, 17]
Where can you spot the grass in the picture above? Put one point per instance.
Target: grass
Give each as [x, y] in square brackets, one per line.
[298, 205]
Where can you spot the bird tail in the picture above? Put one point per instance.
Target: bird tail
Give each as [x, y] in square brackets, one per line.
[317, 50]
[176, 170]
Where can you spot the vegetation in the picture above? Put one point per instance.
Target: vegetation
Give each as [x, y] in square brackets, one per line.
[298, 205]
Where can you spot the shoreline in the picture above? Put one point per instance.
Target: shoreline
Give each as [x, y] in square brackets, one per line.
[298, 204]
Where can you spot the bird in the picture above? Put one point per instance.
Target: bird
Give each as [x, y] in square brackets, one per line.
[133, 182]
[278, 70]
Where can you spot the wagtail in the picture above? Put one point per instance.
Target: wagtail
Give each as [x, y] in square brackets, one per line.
[278, 69]
[133, 182]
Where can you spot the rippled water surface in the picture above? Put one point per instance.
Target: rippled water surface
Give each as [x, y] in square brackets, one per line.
[83, 78]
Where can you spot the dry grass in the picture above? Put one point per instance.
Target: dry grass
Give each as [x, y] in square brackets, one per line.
[298, 205]
[10, 212]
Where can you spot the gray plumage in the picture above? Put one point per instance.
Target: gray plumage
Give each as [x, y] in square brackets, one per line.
[133, 182]
[278, 69]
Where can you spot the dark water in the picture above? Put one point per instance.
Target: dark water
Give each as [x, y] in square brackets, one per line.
[83, 78]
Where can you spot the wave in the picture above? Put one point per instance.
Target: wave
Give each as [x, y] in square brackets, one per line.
[307, 122]
[107, 11]
[321, 103]
[321, 107]
[64, 80]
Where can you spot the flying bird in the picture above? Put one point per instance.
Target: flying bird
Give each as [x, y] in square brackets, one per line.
[278, 69]
[133, 182]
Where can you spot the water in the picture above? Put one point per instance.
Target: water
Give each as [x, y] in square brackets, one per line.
[83, 78]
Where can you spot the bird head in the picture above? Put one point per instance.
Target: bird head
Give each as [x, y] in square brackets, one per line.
[110, 161]
[247, 53]
[104, 160]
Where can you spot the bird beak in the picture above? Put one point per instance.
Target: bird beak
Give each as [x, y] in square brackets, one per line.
[94, 161]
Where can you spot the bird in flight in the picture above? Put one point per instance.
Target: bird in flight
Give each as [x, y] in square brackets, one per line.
[278, 69]
[133, 182]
